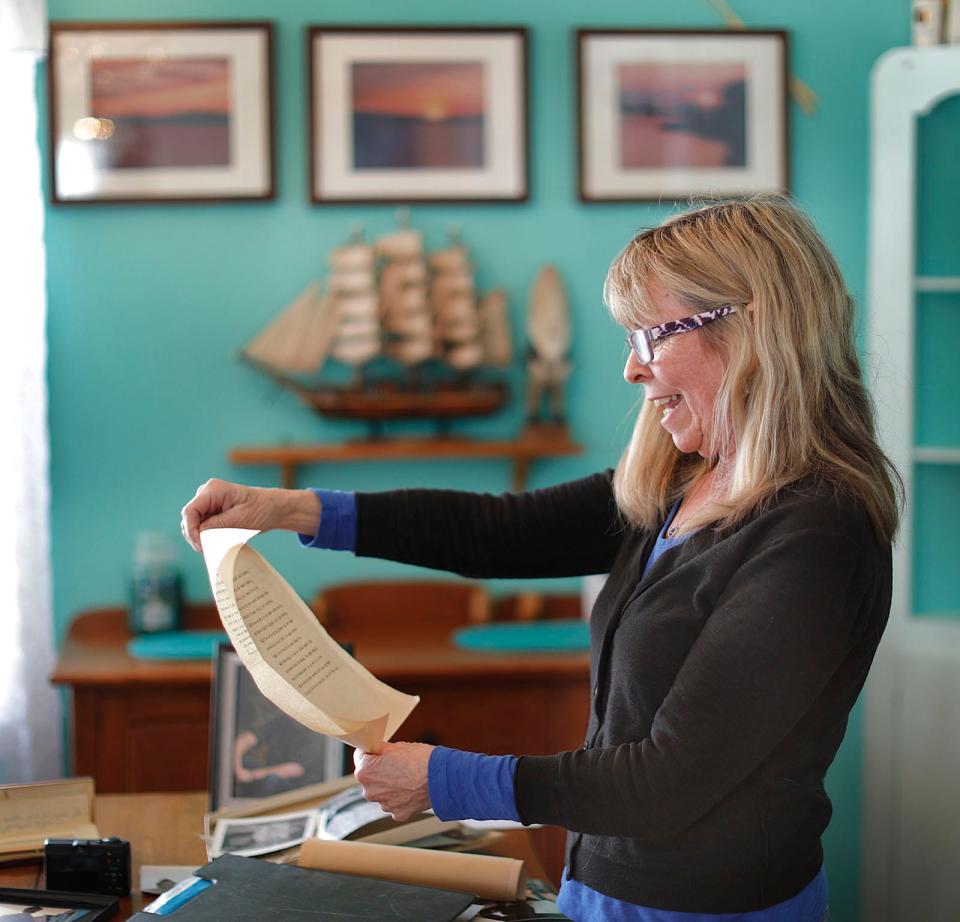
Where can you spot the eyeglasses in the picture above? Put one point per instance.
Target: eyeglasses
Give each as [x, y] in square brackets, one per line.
[642, 341]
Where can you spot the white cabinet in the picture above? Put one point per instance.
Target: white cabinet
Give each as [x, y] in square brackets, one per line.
[911, 810]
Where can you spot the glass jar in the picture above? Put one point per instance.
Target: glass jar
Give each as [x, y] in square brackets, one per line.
[155, 603]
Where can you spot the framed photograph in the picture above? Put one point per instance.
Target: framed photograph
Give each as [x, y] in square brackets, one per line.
[56, 906]
[161, 112]
[256, 749]
[417, 114]
[669, 115]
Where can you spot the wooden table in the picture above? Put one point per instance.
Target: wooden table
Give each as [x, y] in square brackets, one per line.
[141, 726]
[166, 829]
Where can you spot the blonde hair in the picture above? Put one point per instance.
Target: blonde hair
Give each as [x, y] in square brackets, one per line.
[791, 403]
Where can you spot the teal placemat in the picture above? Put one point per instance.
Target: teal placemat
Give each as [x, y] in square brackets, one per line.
[527, 636]
[176, 645]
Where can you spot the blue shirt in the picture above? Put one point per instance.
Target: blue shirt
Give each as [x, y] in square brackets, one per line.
[467, 785]
[338, 522]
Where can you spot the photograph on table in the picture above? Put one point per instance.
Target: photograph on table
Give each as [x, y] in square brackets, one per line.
[257, 750]
[674, 114]
[143, 112]
[263, 834]
[417, 114]
[53, 906]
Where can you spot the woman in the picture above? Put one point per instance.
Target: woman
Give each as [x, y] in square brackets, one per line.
[747, 534]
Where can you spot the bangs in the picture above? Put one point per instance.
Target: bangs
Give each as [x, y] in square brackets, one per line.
[625, 288]
[681, 256]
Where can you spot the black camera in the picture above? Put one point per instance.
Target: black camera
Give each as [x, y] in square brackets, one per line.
[87, 865]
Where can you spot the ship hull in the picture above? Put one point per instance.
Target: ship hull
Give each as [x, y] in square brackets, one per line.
[385, 401]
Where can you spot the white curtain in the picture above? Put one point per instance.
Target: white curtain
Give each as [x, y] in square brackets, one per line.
[30, 714]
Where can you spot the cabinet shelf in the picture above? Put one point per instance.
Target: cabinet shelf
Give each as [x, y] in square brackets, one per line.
[932, 454]
[932, 283]
[529, 447]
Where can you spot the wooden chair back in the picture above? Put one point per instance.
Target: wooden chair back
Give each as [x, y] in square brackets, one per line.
[401, 607]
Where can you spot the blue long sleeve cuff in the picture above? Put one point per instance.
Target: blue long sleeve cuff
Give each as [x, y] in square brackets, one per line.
[338, 522]
[467, 785]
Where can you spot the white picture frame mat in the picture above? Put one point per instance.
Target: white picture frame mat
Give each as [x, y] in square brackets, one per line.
[602, 174]
[249, 112]
[502, 57]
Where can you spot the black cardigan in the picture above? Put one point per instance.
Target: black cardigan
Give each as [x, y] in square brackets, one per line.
[722, 681]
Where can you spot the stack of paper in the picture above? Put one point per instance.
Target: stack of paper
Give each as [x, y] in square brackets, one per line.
[30, 813]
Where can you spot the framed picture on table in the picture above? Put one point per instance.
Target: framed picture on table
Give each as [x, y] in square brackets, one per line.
[417, 114]
[255, 748]
[56, 906]
[161, 112]
[675, 114]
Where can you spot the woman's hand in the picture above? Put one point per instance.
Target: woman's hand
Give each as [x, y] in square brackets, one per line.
[396, 778]
[221, 504]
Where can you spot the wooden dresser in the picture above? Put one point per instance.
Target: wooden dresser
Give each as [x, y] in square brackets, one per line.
[142, 725]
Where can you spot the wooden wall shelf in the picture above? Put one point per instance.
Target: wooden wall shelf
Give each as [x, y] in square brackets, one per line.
[530, 446]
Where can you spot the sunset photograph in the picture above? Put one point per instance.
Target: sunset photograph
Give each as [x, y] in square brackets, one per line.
[166, 113]
[682, 114]
[410, 115]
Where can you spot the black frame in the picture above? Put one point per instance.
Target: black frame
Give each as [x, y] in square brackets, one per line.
[56, 28]
[107, 906]
[583, 35]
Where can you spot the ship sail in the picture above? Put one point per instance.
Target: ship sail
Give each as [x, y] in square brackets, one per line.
[391, 298]
[342, 323]
[454, 304]
[357, 339]
[405, 313]
[299, 339]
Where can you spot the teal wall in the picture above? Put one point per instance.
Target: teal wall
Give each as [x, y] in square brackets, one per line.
[148, 304]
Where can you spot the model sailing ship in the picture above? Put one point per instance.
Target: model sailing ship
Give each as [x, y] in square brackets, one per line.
[409, 327]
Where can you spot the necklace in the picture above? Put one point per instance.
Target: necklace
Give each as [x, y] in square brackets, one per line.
[674, 526]
[703, 488]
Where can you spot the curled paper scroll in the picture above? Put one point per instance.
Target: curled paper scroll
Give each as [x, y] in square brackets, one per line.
[489, 877]
[292, 659]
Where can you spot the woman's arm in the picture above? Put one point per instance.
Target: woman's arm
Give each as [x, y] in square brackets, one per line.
[568, 530]
[572, 529]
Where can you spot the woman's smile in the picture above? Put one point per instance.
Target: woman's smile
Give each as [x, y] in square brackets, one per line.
[672, 403]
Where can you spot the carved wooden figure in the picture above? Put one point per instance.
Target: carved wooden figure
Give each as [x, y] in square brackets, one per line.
[548, 364]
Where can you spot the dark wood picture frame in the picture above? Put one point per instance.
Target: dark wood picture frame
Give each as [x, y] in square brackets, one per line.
[332, 155]
[102, 907]
[234, 701]
[603, 142]
[215, 143]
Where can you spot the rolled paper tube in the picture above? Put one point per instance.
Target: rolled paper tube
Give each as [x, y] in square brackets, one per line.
[489, 877]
